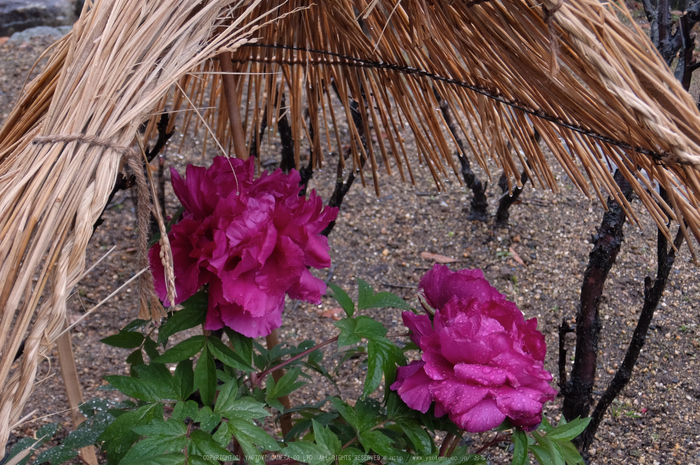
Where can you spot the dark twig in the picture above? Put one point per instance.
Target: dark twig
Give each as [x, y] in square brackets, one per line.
[564, 329]
[478, 204]
[653, 291]
[307, 172]
[507, 199]
[287, 162]
[579, 389]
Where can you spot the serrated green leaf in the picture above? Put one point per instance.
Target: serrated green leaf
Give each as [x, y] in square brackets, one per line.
[343, 299]
[307, 452]
[124, 340]
[205, 377]
[227, 356]
[569, 431]
[347, 334]
[56, 455]
[183, 379]
[519, 448]
[193, 313]
[418, 436]
[184, 410]
[245, 430]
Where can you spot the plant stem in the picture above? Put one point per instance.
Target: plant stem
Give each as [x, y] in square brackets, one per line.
[493, 441]
[260, 377]
[286, 419]
[446, 444]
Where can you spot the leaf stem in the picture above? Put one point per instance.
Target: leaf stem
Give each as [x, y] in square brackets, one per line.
[493, 441]
[446, 444]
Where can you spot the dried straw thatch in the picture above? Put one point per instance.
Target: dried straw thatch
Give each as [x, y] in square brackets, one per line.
[594, 89]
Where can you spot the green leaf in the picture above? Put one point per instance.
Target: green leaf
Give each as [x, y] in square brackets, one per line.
[158, 427]
[223, 435]
[245, 408]
[553, 454]
[368, 413]
[151, 348]
[184, 410]
[343, 299]
[365, 293]
[347, 334]
[542, 455]
[124, 340]
[327, 440]
[182, 351]
[247, 431]
[135, 387]
[242, 345]
[382, 358]
[520, 448]
[569, 452]
[82, 437]
[183, 380]
[135, 358]
[205, 377]
[118, 437]
[380, 443]
[56, 455]
[155, 447]
[207, 419]
[569, 431]
[345, 411]
[227, 356]
[284, 386]
[206, 445]
[307, 452]
[194, 313]
[369, 328]
[167, 459]
[418, 436]
[368, 299]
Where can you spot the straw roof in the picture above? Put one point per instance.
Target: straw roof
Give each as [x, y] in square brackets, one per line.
[595, 89]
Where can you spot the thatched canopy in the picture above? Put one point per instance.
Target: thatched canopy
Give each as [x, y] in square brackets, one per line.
[593, 87]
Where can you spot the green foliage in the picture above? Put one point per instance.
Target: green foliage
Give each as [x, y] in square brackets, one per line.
[199, 399]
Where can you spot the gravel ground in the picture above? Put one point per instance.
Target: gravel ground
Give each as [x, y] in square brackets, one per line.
[380, 240]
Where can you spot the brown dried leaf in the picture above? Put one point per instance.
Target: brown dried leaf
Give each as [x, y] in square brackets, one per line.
[516, 257]
[437, 258]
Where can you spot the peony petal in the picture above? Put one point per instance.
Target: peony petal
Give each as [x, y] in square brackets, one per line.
[307, 288]
[482, 375]
[413, 386]
[485, 416]
[456, 397]
[419, 325]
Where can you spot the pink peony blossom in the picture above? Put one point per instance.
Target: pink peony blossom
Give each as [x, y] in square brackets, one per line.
[482, 362]
[251, 240]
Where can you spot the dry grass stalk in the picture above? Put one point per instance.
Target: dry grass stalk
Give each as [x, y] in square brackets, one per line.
[595, 90]
[102, 81]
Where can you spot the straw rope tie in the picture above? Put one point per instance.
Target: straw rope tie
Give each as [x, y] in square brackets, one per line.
[83, 139]
[553, 38]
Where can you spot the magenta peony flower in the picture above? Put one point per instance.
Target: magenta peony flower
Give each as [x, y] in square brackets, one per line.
[481, 362]
[252, 240]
